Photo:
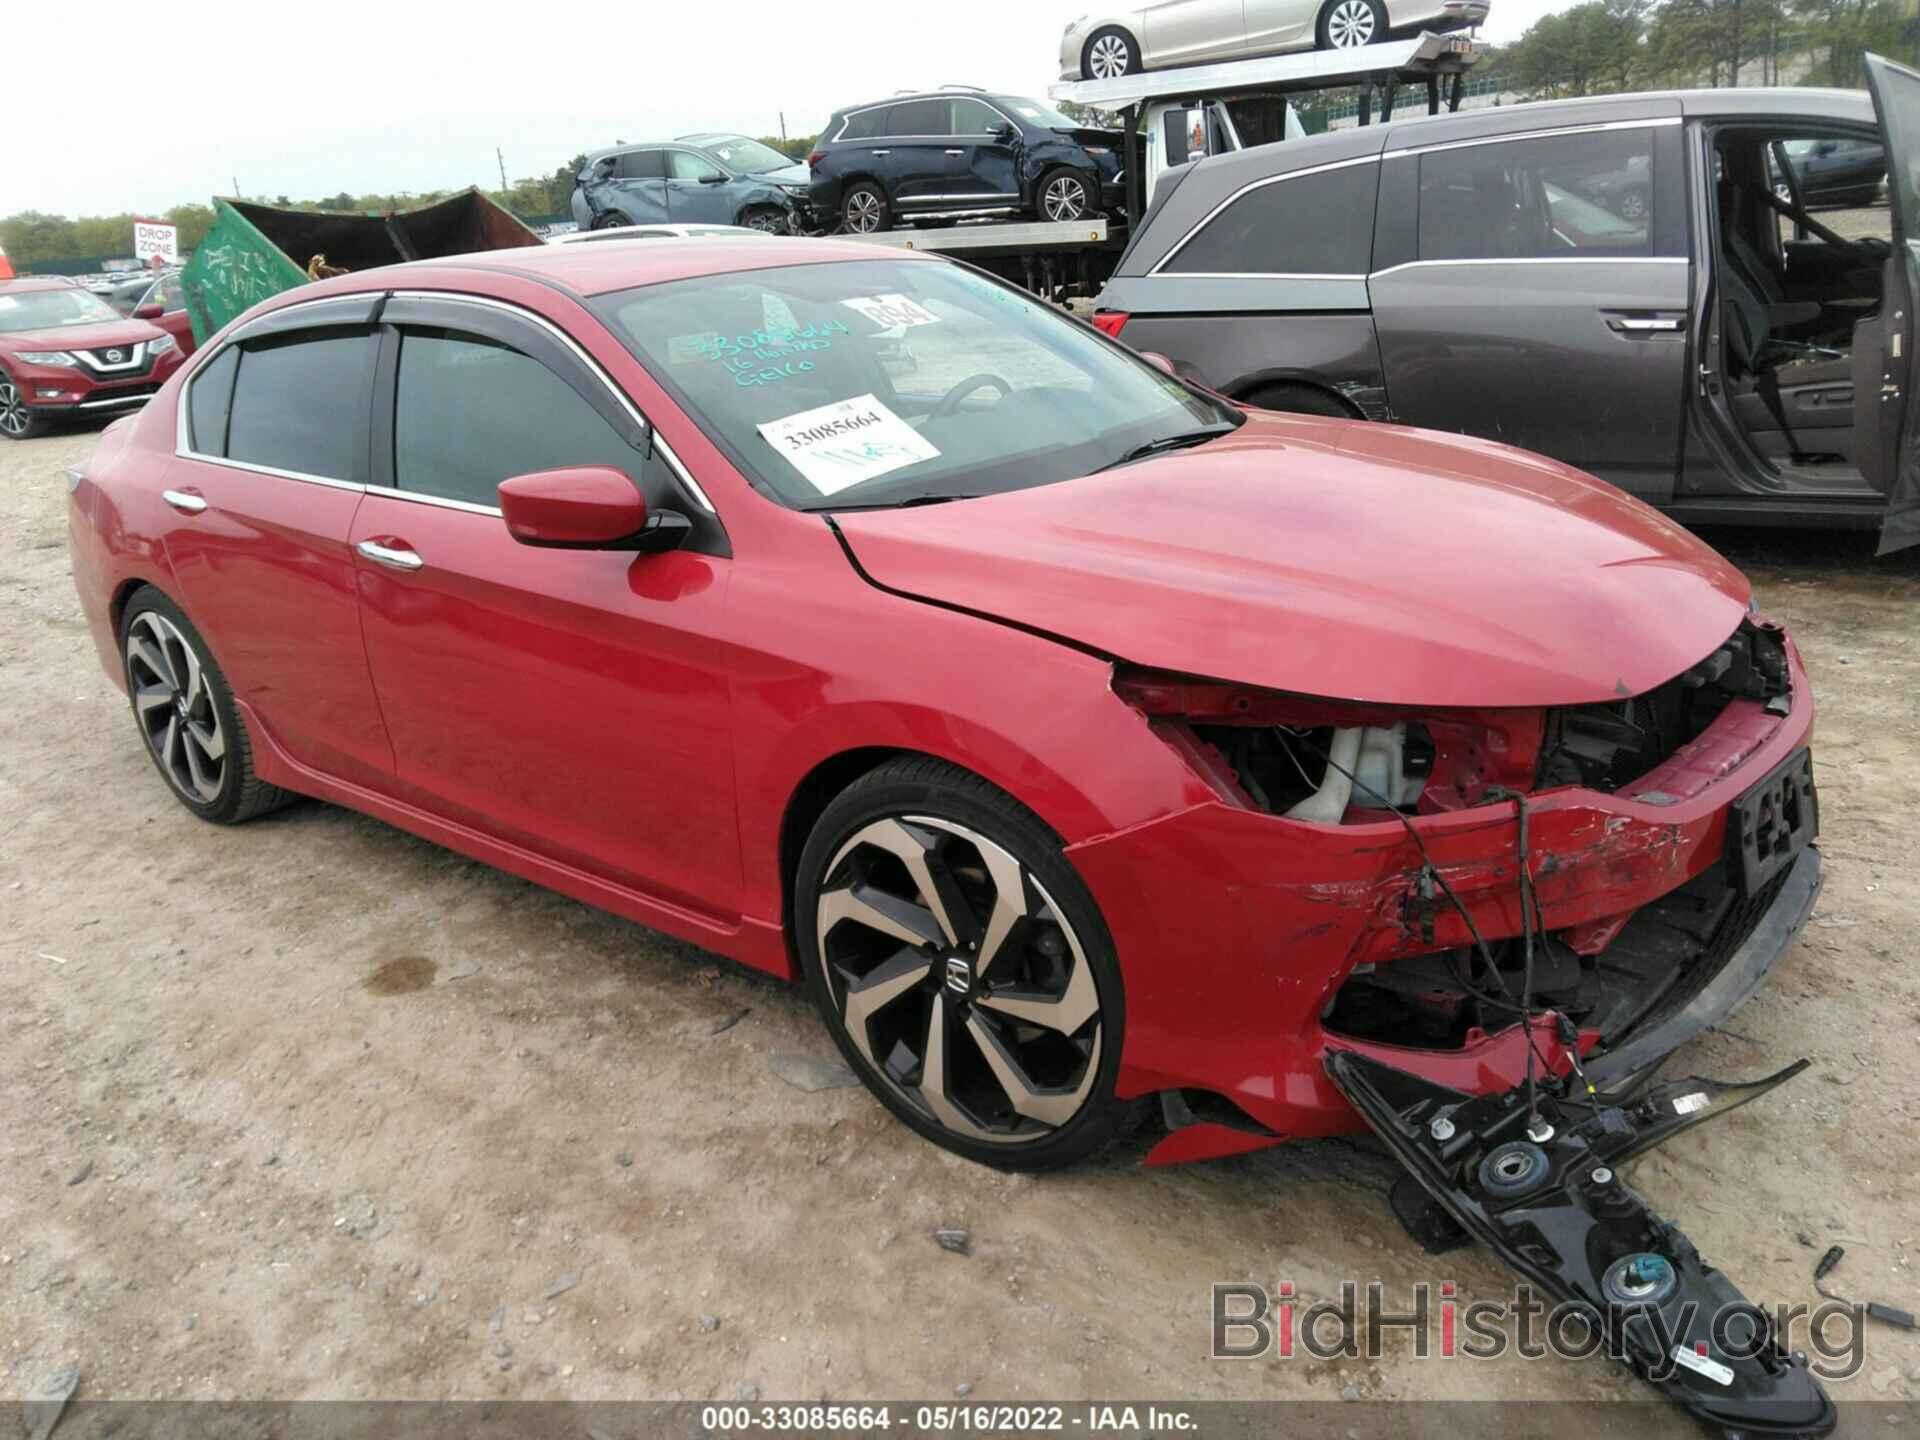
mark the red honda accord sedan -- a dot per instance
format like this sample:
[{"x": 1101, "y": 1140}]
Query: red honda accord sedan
[
  {"x": 1091, "y": 748},
  {"x": 66, "y": 355}
]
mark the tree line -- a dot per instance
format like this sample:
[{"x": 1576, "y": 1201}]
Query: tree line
[{"x": 34, "y": 237}]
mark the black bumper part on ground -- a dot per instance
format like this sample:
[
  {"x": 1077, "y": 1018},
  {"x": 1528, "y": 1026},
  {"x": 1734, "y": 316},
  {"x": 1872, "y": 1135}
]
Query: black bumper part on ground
[{"x": 1556, "y": 1211}]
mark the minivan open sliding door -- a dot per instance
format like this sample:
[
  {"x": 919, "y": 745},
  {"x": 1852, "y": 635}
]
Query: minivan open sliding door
[{"x": 1883, "y": 344}]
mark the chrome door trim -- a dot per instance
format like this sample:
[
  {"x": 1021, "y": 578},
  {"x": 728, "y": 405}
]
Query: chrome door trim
[
  {"x": 1651, "y": 123},
  {"x": 1535, "y": 260}
]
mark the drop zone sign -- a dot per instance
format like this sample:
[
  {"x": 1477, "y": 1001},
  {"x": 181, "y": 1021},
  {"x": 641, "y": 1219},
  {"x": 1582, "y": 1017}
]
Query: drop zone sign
[{"x": 156, "y": 239}]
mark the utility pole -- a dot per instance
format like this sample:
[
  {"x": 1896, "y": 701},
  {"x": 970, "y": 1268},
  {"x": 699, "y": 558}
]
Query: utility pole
[
  {"x": 783, "y": 124},
  {"x": 503, "y": 168},
  {"x": 236, "y": 187}
]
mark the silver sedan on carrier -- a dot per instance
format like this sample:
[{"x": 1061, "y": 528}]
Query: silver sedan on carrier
[{"x": 1104, "y": 44}]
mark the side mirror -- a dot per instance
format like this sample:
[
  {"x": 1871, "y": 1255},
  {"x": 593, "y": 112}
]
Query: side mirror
[
  {"x": 1159, "y": 362},
  {"x": 586, "y": 507},
  {"x": 1004, "y": 131},
  {"x": 147, "y": 312}
]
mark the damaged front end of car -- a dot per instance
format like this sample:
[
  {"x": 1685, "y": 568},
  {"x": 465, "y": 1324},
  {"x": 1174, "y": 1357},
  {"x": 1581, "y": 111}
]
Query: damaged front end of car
[{"x": 1472, "y": 930}]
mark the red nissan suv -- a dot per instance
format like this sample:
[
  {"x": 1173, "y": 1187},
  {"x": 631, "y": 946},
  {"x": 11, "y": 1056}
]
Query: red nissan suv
[{"x": 64, "y": 354}]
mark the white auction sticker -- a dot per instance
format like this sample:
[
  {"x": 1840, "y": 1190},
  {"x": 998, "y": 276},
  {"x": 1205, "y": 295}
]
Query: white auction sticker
[
  {"x": 892, "y": 312},
  {"x": 840, "y": 445},
  {"x": 1687, "y": 1104}
]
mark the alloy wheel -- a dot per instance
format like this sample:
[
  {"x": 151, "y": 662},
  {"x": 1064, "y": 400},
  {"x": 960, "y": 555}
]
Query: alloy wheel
[
  {"x": 863, "y": 212},
  {"x": 14, "y": 419},
  {"x": 174, "y": 703},
  {"x": 958, "y": 979},
  {"x": 1065, "y": 198},
  {"x": 1351, "y": 24},
  {"x": 1633, "y": 205},
  {"x": 1108, "y": 58}
]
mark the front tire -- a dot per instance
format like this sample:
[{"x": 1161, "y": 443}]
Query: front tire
[
  {"x": 1109, "y": 53},
  {"x": 769, "y": 219},
  {"x": 1349, "y": 24},
  {"x": 1298, "y": 399},
  {"x": 864, "y": 209},
  {"x": 1064, "y": 195},
  {"x": 607, "y": 219},
  {"x": 186, "y": 716},
  {"x": 962, "y": 967},
  {"x": 17, "y": 419}
]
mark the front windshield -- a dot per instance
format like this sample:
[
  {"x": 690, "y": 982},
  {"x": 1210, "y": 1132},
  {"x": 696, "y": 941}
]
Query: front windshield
[
  {"x": 23, "y": 310},
  {"x": 876, "y": 383},
  {"x": 1035, "y": 112},
  {"x": 749, "y": 157}
]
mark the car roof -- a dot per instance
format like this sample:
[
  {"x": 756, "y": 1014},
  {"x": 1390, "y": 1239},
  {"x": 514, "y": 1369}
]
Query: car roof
[
  {"x": 37, "y": 282},
  {"x": 704, "y": 137},
  {"x": 587, "y": 270}
]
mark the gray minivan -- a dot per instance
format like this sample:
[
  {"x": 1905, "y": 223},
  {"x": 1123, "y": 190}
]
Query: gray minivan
[{"x": 1640, "y": 285}]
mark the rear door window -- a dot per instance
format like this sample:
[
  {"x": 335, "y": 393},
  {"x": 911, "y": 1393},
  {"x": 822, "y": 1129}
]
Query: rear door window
[
  {"x": 642, "y": 165},
  {"x": 300, "y": 403},
  {"x": 1555, "y": 196},
  {"x": 919, "y": 117},
  {"x": 1319, "y": 223}
]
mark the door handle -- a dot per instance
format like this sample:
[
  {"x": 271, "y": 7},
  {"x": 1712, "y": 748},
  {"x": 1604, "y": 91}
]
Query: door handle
[
  {"x": 394, "y": 557},
  {"x": 1646, "y": 324},
  {"x": 883, "y": 152},
  {"x": 185, "y": 501},
  {"x": 956, "y": 152}
]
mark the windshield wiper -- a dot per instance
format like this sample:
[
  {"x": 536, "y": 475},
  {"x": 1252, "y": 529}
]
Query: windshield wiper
[{"x": 1164, "y": 444}]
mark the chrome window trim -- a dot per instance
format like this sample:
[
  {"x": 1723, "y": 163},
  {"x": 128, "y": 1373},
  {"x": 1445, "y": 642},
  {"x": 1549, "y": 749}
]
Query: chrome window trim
[
  {"x": 593, "y": 366},
  {"x": 1652, "y": 123},
  {"x": 1269, "y": 275},
  {"x": 183, "y": 449},
  {"x": 1535, "y": 260},
  {"x": 847, "y": 119},
  {"x": 1261, "y": 184},
  {"x": 443, "y": 502}
]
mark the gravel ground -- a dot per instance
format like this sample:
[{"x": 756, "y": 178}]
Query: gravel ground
[{"x": 315, "y": 1109}]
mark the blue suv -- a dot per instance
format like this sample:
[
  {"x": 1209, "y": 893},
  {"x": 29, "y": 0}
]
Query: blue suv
[
  {"x": 683, "y": 183},
  {"x": 960, "y": 153}
]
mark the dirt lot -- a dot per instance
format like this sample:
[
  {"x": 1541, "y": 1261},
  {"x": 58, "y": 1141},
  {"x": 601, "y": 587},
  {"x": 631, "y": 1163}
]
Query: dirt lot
[{"x": 315, "y": 1109}]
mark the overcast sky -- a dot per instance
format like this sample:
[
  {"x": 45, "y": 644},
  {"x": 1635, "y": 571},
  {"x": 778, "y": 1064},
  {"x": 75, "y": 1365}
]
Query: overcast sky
[{"x": 128, "y": 107}]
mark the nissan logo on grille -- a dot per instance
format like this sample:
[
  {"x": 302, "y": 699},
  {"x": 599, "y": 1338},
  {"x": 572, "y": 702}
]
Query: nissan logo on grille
[{"x": 114, "y": 357}]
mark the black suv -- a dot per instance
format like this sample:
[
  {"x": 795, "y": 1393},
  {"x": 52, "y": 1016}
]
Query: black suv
[{"x": 959, "y": 152}]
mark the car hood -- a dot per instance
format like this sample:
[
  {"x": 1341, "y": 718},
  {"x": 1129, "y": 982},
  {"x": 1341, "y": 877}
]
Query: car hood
[
  {"x": 91, "y": 336},
  {"x": 794, "y": 174},
  {"x": 1336, "y": 559}
]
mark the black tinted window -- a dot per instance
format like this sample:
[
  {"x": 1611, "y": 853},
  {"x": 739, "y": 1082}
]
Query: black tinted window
[
  {"x": 974, "y": 117},
  {"x": 472, "y": 412},
  {"x": 207, "y": 403},
  {"x": 1318, "y": 224},
  {"x": 300, "y": 403},
  {"x": 866, "y": 124},
  {"x": 1531, "y": 199},
  {"x": 642, "y": 165},
  {"x": 919, "y": 117}
]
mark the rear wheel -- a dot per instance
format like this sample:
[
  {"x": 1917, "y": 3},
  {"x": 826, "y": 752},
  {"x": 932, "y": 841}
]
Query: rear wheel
[
  {"x": 186, "y": 716},
  {"x": 1064, "y": 195},
  {"x": 1299, "y": 400},
  {"x": 863, "y": 209},
  {"x": 17, "y": 421},
  {"x": 1108, "y": 53},
  {"x": 962, "y": 967},
  {"x": 1349, "y": 24}
]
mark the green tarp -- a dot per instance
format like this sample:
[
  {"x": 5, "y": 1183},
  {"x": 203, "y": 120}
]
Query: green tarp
[{"x": 256, "y": 251}]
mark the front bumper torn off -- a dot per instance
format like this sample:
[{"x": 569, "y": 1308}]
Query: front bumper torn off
[{"x": 1550, "y": 1203}]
